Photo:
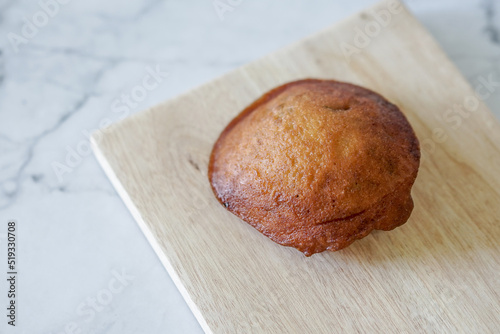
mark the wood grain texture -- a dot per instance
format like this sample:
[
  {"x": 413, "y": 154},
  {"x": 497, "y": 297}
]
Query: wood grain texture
[{"x": 437, "y": 273}]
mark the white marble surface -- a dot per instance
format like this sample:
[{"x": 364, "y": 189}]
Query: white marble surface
[{"x": 75, "y": 234}]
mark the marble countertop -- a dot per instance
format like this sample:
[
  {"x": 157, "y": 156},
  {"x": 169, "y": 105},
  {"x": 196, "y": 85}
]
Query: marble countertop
[{"x": 69, "y": 66}]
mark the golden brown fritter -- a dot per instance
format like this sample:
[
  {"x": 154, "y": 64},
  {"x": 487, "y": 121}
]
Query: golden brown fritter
[{"x": 317, "y": 164}]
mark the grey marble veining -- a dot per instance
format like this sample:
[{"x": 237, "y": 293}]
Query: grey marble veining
[{"x": 85, "y": 267}]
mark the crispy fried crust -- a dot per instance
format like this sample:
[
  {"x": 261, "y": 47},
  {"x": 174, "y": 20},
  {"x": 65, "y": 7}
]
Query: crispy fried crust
[{"x": 317, "y": 164}]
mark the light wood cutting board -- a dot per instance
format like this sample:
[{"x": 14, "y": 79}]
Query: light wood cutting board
[{"x": 440, "y": 272}]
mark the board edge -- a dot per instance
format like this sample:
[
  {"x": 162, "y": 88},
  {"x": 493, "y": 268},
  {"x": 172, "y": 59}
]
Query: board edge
[{"x": 134, "y": 211}]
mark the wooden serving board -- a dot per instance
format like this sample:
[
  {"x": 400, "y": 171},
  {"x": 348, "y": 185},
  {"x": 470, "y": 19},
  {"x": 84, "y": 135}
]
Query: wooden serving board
[{"x": 440, "y": 272}]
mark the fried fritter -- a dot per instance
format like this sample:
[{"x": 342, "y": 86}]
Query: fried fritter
[{"x": 317, "y": 164}]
